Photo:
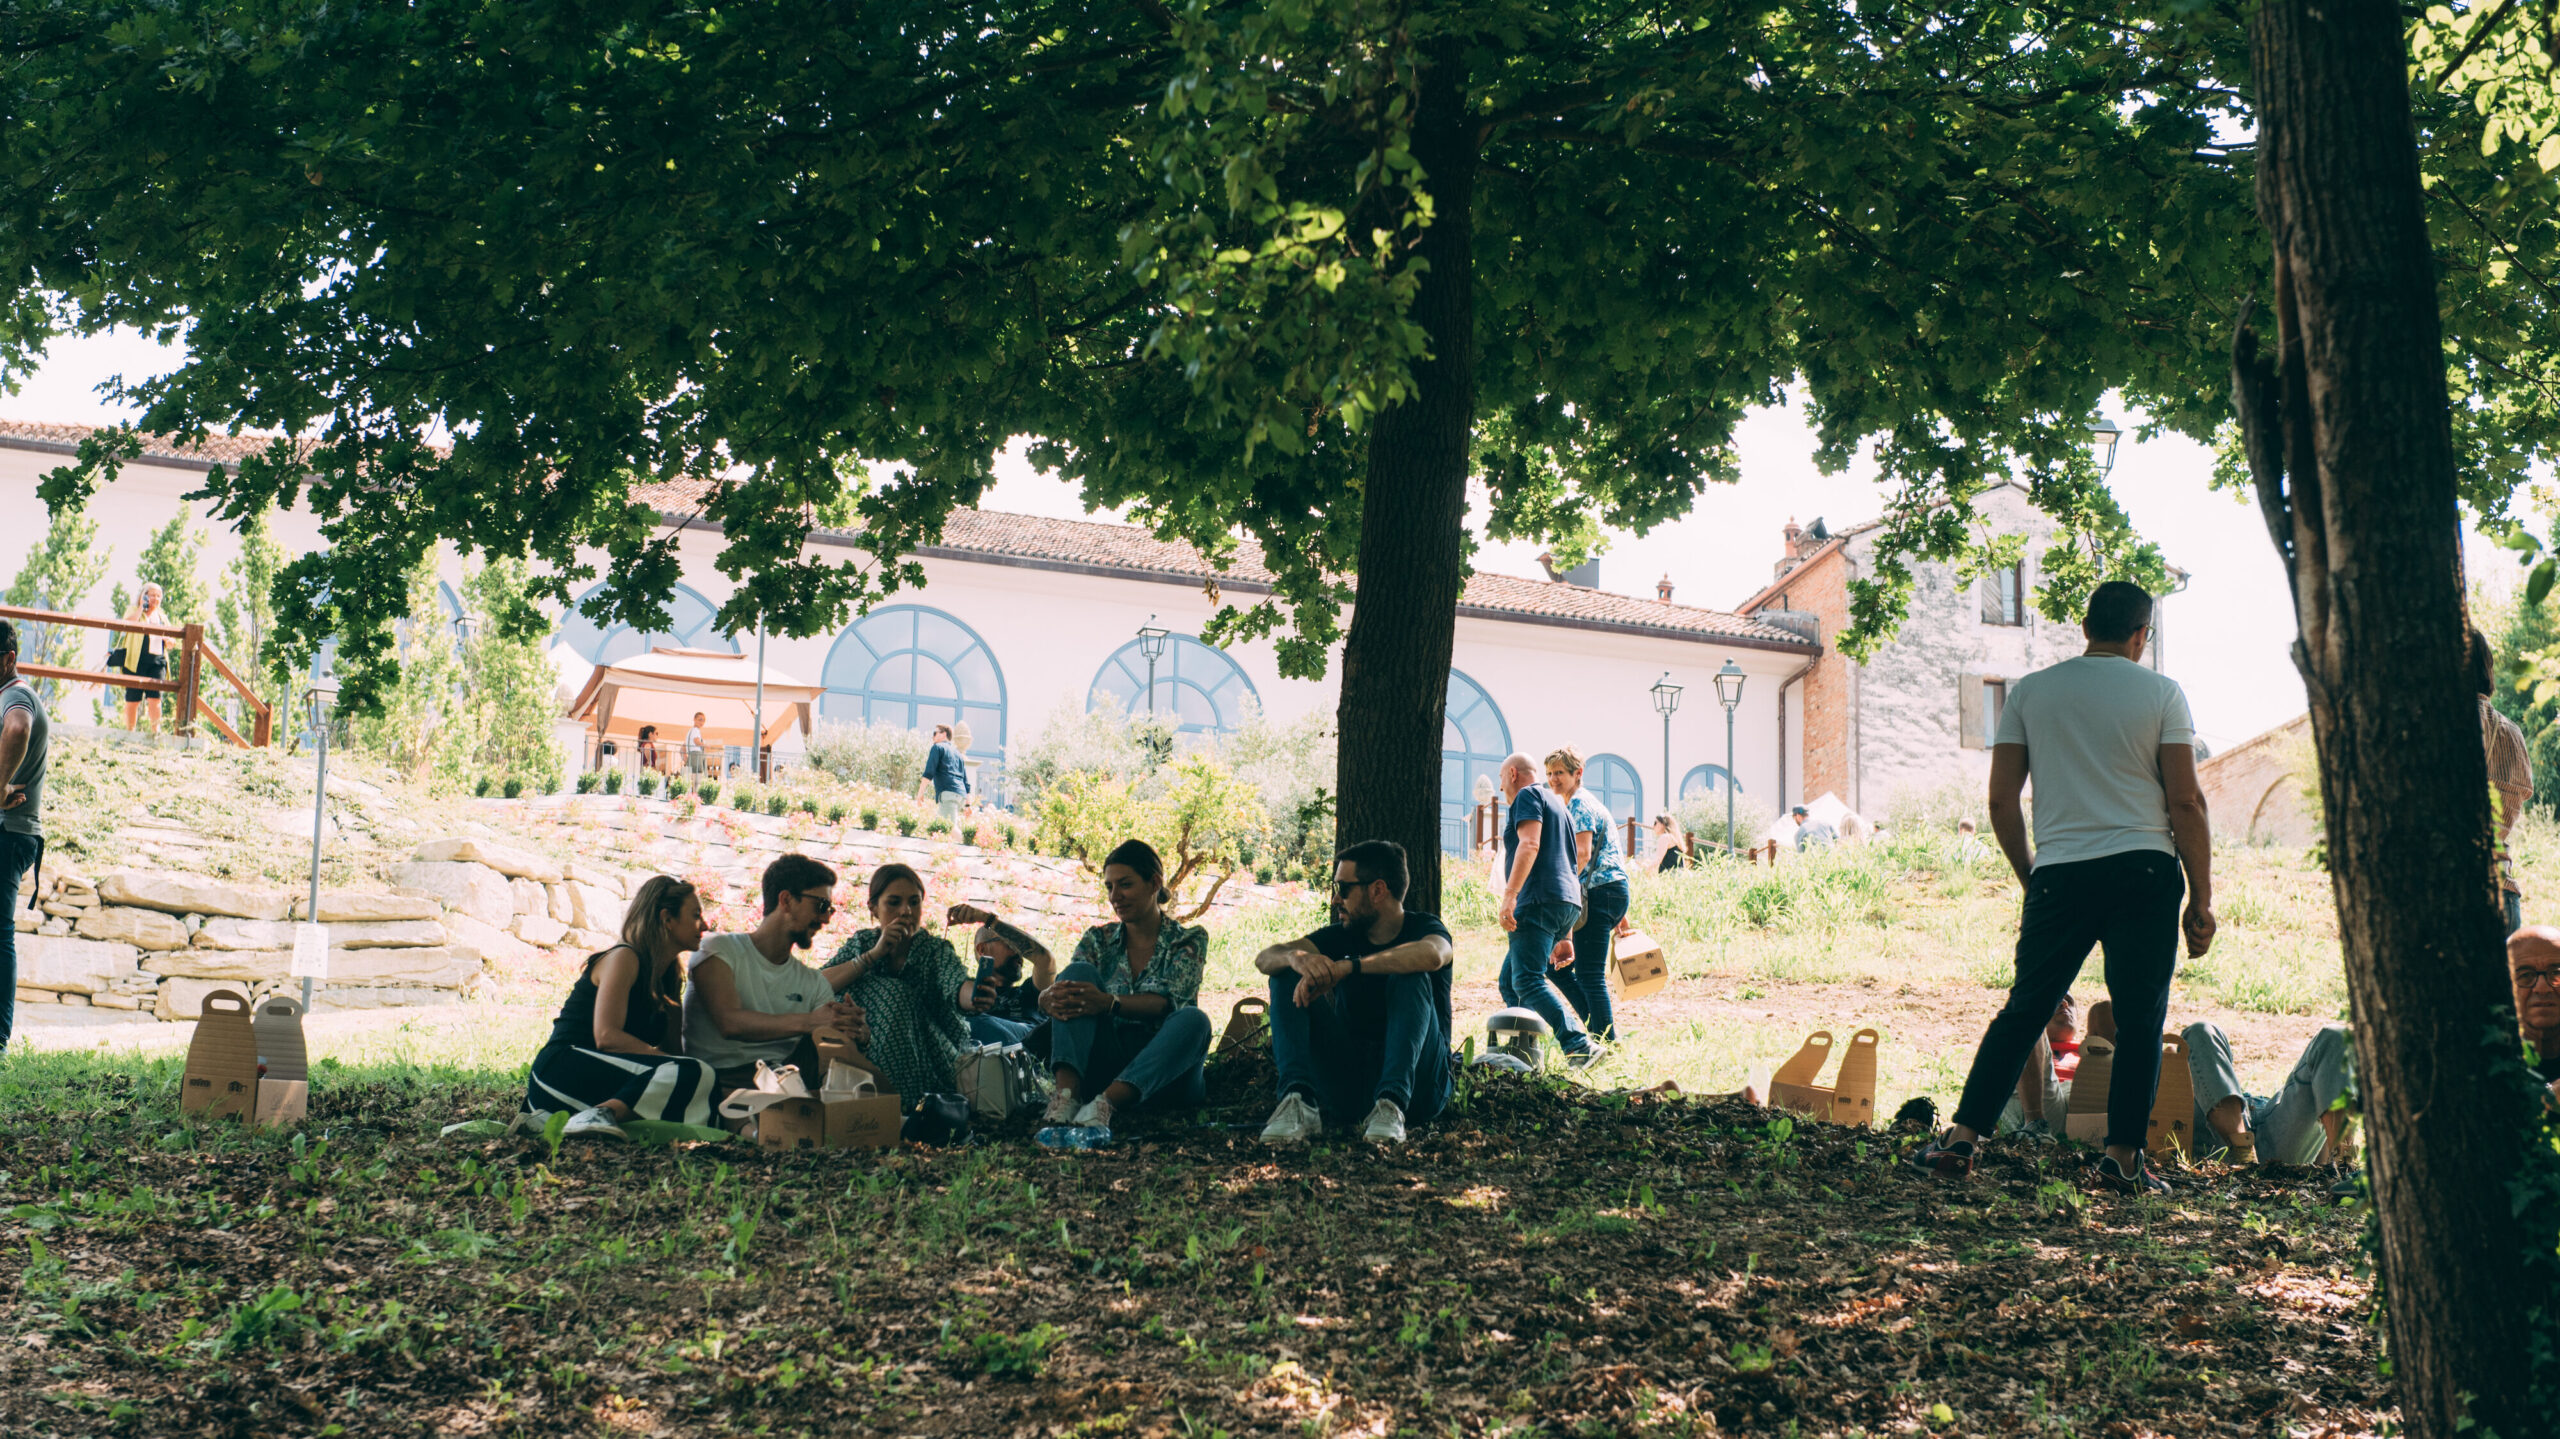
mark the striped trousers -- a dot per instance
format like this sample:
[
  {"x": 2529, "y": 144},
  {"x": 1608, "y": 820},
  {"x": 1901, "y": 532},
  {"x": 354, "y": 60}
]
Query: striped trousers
[{"x": 669, "y": 1087}]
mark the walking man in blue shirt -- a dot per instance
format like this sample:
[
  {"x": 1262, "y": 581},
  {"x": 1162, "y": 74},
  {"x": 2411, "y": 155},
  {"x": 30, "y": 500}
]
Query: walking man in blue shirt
[
  {"x": 947, "y": 772},
  {"x": 1541, "y": 899}
]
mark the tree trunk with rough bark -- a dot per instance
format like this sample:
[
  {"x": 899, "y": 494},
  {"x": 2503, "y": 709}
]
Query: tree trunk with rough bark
[
  {"x": 1404, "y": 620},
  {"x": 2350, "y": 447}
]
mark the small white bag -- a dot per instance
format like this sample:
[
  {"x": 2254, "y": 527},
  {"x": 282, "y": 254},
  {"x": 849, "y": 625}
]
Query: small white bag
[{"x": 999, "y": 1081}]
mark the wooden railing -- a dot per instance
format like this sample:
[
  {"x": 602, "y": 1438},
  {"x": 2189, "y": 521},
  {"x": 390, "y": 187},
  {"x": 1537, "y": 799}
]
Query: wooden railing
[{"x": 193, "y": 653}]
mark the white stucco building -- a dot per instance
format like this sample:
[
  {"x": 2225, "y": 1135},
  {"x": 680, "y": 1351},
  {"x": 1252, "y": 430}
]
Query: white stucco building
[{"x": 1021, "y": 615}]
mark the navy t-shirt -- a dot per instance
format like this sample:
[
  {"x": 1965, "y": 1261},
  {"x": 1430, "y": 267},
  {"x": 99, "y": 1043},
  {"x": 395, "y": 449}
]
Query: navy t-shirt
[
  {"x": 1338, "y": 944},
  {"x": 1551, "y": 878}
]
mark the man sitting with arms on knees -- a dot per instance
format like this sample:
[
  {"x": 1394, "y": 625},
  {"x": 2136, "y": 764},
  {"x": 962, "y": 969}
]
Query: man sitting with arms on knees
[
  {"x": 2298, "y": 1124},
  {"x": 2533, "y": 960},
  {"x": 1360, "y": 1008},
  {"x": 752, "y": 1000}
]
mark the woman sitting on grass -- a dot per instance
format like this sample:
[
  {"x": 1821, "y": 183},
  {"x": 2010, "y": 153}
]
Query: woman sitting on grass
[
  {"x": 908, "y": 982},
  {"x": 609, "y": 1054},
  {"x": 1125, "y": 1026}
]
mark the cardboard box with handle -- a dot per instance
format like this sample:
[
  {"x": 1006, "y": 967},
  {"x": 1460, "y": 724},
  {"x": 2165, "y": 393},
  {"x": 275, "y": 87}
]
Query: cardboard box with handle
[
  {"x": 1851, "y": 1099},
  {"x": 254, "y": 1069}
]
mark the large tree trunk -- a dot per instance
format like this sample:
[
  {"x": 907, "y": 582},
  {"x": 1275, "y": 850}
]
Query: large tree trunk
[
  {"x": 1395, "y": 662},
  {"x": 2350, "y": 445}
]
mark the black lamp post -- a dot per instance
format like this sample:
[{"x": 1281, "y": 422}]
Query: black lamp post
[
  {"x": 1666, "y": 698},
  {"x": 1151, "y": 640},
  {"x": 1729, "y": 694}
]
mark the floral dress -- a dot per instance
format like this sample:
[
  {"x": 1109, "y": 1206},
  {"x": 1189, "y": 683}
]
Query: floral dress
[
  {"x": 1182, "y": 952},
  {"x": 917, "y": 1031}
]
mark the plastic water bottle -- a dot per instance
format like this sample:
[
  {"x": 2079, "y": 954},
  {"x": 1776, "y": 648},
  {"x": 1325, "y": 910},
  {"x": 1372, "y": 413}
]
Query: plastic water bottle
[{"x": 1074, "y": 1136}]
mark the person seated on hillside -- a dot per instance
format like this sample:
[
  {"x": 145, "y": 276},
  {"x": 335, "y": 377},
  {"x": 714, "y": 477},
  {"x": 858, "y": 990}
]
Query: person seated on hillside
[
  {"x": 611, "y": 1056},
  {"x": 907, "y": 981},
  {"x": 2044, "y": 1086},
  {"x": 2298, "y": 1124},
  {"x": 753, "y": 1001},
  {"x": 1003, "y": 1007},
  {"x": 2533, "y": 961},
  {"x": 1360, "y": 1013},
  {"x": 1125, "y": 1025}
]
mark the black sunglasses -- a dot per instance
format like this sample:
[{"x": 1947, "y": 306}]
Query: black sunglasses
[
  {"x": 826, "y": 906},
  {"x": 1346, "y": 886}
]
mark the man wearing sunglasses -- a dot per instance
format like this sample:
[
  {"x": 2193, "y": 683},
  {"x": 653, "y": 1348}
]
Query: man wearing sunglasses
[
  {"x": 2533, "y": 961},
  {"x": 752, "y": 999},
  {"x": 1360, "y": 1009}
]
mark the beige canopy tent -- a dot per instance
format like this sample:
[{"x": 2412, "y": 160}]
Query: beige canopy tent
[{"x": 665, "y": 687}]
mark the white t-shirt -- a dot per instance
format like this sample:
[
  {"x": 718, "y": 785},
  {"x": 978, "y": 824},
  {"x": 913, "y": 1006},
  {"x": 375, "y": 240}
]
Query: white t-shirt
[
  {"x": 764, "y": 987},
  {"x": 2093, "y": 728}
]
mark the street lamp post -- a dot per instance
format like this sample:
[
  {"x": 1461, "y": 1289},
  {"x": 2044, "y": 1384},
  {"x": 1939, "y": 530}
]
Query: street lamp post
[
  {"x": 324, "y": 688},
  {"x": 1666, "y": 698},
  {"x": 2102, "y": 444},
  {"x": 1729, "y": 694},
  {"x": 1151, "y": 640}
]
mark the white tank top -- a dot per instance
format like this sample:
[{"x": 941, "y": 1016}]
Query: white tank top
[{"x": 764, "y": 987}]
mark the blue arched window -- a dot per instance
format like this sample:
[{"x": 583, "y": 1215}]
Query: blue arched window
[
  {"x": 689, "y": 627},
  {"x": 1198, "y": 688},
  {"x": 915, "y": 667},
  {"x": 1613, "y": 782},
  {"x": 452, "y": 602},
  {"x": 1707, "y": 781},
  {"x": 1474, "y": 741}
]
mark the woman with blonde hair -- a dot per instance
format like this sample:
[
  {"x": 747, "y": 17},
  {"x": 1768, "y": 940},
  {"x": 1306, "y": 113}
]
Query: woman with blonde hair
[
  {"x": 142, "y": 656},
  {"x": 611, "y": 1055}
]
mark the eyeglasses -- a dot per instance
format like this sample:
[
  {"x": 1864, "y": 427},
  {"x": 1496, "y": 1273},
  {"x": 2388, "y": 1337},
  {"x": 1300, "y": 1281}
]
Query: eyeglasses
[
  {"x": 826, "y": 904},
  {"x": 1349, "y": 886},
  {"x": 2527, "y": 979}
]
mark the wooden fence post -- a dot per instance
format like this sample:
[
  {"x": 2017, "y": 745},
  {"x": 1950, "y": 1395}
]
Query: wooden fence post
[{"x": 188, "y": 661}]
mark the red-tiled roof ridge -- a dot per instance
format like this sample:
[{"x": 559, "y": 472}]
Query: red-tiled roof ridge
[{"x": 219, "y": 449}]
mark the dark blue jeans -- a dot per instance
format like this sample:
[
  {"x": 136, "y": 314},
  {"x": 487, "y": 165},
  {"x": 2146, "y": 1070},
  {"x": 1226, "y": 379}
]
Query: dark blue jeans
[
  {"x": 1524, "y": 970},
  {"x": 1586, "y": 980},
  {"x": 1376, "y": 1036},
  {"x": 990, "y": 1029},
  {"x": 17, "y": 854},
  {"x": 2129, "y": 904}
]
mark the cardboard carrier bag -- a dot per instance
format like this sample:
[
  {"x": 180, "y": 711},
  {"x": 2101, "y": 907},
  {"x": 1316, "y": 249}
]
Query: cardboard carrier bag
[
  {"x": 1640, "y": 964},
  {"x": 1851, "y": 1099},
  {"x": 2173, "y": 1104},
  {"x": 1248, "y": 1028},
  {"x": 256, "y": 1069}
]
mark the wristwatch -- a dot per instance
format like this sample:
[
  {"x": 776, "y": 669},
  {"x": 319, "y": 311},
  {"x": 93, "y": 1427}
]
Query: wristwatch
[{"x": 1355, "y": 966}]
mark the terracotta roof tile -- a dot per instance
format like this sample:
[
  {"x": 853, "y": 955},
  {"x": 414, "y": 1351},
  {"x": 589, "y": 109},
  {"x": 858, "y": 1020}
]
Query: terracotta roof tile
[{"x": 220, "y": 449}]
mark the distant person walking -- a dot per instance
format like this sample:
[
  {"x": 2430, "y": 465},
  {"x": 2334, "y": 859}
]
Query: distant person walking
[
  {"x": 1813, "y": 833},
  {"x": 1541, "y": 898},
  {"x": 1602, "y": 868},
  {"x": 2510, "y": 773},
  {"x": 23, "y": 747},
  {"x": 2110, "y": 746},
  {"x": 946, "y": 774},
  {"x": 694, "y": 758},
  {"x": 144, "y": 657}
]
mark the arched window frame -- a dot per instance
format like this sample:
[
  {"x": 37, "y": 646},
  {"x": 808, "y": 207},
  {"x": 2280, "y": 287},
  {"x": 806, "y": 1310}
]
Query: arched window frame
[
  {"x": 1223, "y": 689},
  {"x": 1700, "y": 781},
  {"x": 905, "y": 708},
  {"x": 1468, "y": 704},
  {"x": 1612, "y": 778},
  {"x": 591, "y": 641}
]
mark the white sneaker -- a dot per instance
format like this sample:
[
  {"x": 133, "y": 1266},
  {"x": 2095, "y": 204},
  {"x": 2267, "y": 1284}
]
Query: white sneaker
[
  {"x": 1294, "y": 1122},
  {"x": 1062, "y": 1107},
  {"x": 530, "y": 1121},
  {"x": 1386, "y": 1124},
  {"x": 1095, "y": 1115},
  {"x": 593, "y": 1121}
]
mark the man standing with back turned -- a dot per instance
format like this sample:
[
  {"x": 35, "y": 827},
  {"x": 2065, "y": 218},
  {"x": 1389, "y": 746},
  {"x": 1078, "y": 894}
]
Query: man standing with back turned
[
  {"x": 2111, "y": 748},
  {"x": 23, "y": 744}
]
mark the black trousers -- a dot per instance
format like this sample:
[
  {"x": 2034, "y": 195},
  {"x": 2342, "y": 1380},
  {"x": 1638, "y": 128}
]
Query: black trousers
[{"x": 2127, "y": 903}]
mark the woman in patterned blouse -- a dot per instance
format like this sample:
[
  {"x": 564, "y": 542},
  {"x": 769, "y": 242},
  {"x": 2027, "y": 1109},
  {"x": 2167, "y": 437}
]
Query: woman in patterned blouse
[
  {"x": 1125, "y": 1026},
  {"x": 909, "y": 987}
]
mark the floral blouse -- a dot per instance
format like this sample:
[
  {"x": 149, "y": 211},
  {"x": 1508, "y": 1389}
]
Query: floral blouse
[
  {"x": 917, "y": 1031},
  {"x": 1182, "y": 951}
]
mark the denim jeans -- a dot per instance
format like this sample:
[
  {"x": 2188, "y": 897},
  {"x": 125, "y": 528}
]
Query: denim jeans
[
  {"x": 2287, "y": 1122},
  {"x": 1524, "y": 970},
  {"x": 17, "y": 853},
  {"x": 1585, "y": 982},
  {"x": 1376, "y": 1036},
  {"x": 2127, "y": 903},
  {"x": 988, "y": 1029},
  {"x": 1153, "y": 1057}
]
